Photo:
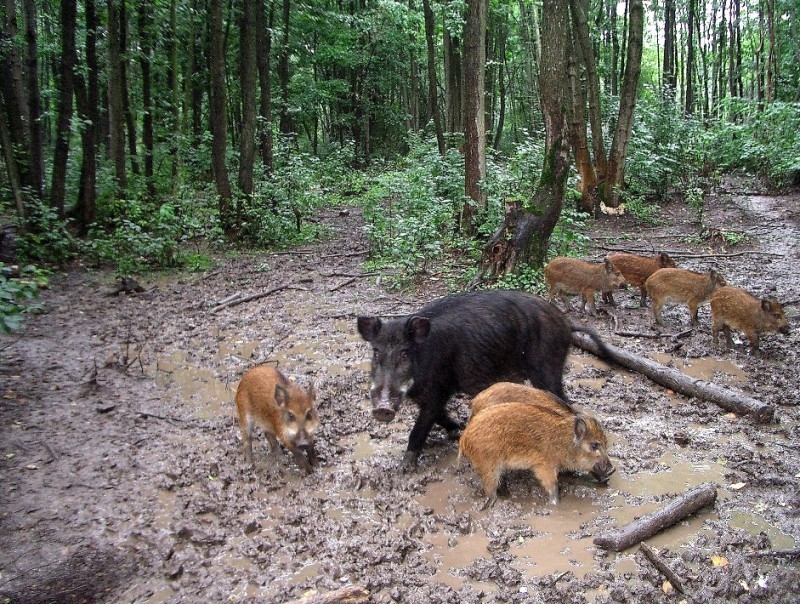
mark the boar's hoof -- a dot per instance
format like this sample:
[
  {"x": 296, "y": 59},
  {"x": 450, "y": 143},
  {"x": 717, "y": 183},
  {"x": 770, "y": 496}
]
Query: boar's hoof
[
  {"x": 489, "y": 503},
  {"x": 409, "y": 460},
  {"x": 383, "y": 414}
]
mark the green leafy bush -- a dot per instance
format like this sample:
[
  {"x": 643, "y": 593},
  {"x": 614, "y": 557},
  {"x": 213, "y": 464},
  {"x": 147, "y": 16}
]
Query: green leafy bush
[{"x": 16, "y": 294}]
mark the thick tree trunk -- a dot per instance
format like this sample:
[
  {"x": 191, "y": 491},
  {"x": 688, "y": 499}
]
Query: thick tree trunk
[
  {"x": 453, "y": 83},
  {"x": 680, "y": 382},
  {"x": 587, "y": 184},
  {"x": 652, "y": 524},
  {"x": 524, "y": 236},
  {"x": 474, "y": 112}
]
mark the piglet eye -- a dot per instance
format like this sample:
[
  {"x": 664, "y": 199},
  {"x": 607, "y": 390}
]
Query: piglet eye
[
  {"x": 595, "y": 447},
  {"x": 291, "y": 417}
]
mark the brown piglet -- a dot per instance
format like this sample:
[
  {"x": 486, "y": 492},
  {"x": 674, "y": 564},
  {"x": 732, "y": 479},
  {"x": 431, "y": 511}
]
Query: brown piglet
[
  {"x": 285, "y": 411},
  {"x": 680, "y": 286},
  {"x": 572, "y": 276},
  {"x": 511, "y": 392},
  {"x": 521, "y": 436},
  {"x": 735, "y": 308},
  {"x": 636, "y": 270}
]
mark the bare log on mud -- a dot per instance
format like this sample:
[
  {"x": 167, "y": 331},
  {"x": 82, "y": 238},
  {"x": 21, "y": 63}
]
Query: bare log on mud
[
  {"x": 651, "y": 524},
  {"x": 680, "y": 382},
  {"x": 661, "y": 566},
  {"x": 353, "y": 594}
]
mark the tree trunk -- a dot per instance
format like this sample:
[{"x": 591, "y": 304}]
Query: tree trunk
[
  {"x": 219, "y": 120},
  {"x": 615, "y": 178},
  {"x": 130, "y": 119},
  {"x": 654, "y": 523},
  {"x": 523, "y": 238},
  {"x": 173, "y": 81},
  {"x": 69, "y": 56},
  {"x": 502, "y": 65},
  {"x": 34, "y": 97},
  {"x": 669, "y": 80},
  {"x": 474, "y": 112},
  {"x": 529, "y": 26},
  {"x": 689, "y": 98},
  {"x": 587, "y": 184},
  {"x": 145, "y": 63},
  {"x": 433, "y": 94},
  {"x": 680, "y": 382},
  {"x": 454, "y": 82},
  {"x": 87, "y": 97},
  {"x": 248, "y": 73},
  {"x": 116, "y": 117},
  {"x": 264, "y": 45},
  {"x": 286, "y": 127}
]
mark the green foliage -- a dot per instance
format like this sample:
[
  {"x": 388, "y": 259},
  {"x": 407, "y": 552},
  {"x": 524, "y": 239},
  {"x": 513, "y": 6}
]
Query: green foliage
[
  {"x": 762, "y": 140},
  {"x": 567, "y": 238},
  {"x": 47, "y": 240},
  {"x": 638, "y": 207},
  {"x": 278, "y": 213},
  {"x": 526, "y": 278},
  {"x": 410, "y": 212},
  {"x": 17, "y": 293}
]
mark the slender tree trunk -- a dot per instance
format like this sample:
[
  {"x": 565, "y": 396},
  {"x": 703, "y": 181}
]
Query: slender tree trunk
[
  {"x": 286, "y": 126},
  {"x": 248, "y": 73},
  {"x": 34, "y": 97},
  {"x": 264, "y": 44},
  {"x": 433, "y": 94},
  {"x": 69, "y": 55},
  {"x": 578, "y": 139},
  {"x": 529, "y": 27},
  {"x": 87, "y": 97},
  {"x": 454, "y": 83},
  {"x": 627, "y": 103},
  {"x": 502, "y": 65},
  {"x": 670, "y": 74},
  {"x": 130, "y": 120},
  {"x": 772, "y": 65},
  {"x": 219, "y": 120},
  {"x": 474, "y": 111},
  {"x": 145, "y": 64},
  {"x": 689, "y": 97},
  {"x": 116, "y": 117}
]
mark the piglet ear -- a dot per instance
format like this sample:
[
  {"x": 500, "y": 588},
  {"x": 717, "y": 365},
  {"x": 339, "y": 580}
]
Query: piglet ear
[
  {"x": 281, "y": 396},
  {"x": 580, "y": 428},
  {"x": 608, "y": 265},
  {"x": 419, "y": 328},
  {"x": 312, "y": 391},
  {"x": 369, "y": 327}
]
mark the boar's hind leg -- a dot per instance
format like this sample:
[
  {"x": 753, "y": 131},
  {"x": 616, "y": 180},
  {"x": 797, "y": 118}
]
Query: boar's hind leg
[{"x": 453, "y": 427}]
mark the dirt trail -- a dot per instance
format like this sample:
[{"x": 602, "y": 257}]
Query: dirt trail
[{"x": 124, "y": 479}]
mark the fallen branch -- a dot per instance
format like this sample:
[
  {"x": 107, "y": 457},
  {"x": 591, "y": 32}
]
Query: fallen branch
[
  {"x": 353, "y": 275},
  {"x": 661, "y": 566},
  {"x": 353, "y": 594},
  {"x": 637, "y": 334},
  {"x": 680, "y": 382},
  {"x": 651, "y": 524},
  {"x": 346, "y": 255},
  {"x": 249, "y": 298},
  {"x": 681, "y": 254},
  {"x": 342, "y": 284},
  {"x": 778, "y": 553}
]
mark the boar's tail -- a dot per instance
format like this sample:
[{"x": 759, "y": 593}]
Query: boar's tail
[{"x": 605, "y": 352}]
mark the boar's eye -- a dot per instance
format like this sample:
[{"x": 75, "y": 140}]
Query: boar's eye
[
  {"x": 595, "y": 447},
  {"x": 291, "y": 417}
]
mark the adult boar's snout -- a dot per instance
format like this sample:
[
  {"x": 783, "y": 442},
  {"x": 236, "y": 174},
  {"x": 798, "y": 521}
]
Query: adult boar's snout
[{"x": 383, "y": 414}]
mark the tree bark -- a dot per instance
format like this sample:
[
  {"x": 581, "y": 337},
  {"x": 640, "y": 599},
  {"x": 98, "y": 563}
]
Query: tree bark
[
  {"x": 264, "y": 45},
  {"x": 433, "y": 94},
  {"x": 652, "y": 524},
  {"x": 689, "y": 98},
  {"x": 145, "y": 63},
  {"x": 248, "y": 72},
  {"x": 34, "y": 97},
  {"x": 680, "y": 382},
  {"x": 116, "y": 117},
  {"x": 474, "y": 112},
  {"x": 615, "y": 178},
  {"x": 219, "y": 121},
  {"x": 58, "y": 182},
  {"x": 524, "y": 236}
]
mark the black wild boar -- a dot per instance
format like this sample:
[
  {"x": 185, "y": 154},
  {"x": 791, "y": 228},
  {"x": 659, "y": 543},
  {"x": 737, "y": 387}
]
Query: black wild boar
[{"x": 464, "y": 343}]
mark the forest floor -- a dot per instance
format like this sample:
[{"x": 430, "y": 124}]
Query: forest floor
[{"x": 123, "y": 478}]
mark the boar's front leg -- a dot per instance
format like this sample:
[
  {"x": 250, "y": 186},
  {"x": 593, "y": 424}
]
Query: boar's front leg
[
  {"x": 301, "y": 459},
  {"x": 428, "y": 415}
]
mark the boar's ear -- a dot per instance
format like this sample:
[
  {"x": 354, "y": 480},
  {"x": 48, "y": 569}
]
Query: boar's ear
[
  {"x": 369, "y": 327},
  {"x": 312, "y": 391},
  {"x": 580, "y": 428},
  {"x": 419, "y": 328},
  {"x": 766, "y": 305},
  {"x": 281, "y": 396},
  {"x": 608, "y": 265}
]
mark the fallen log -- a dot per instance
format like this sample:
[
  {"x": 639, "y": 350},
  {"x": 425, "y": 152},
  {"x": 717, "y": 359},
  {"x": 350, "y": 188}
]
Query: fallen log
[
  {"x": 680, "y": 382},
  {"x": 651, "y": 524},
  {"x": 241, "y": 300},
  {"x": 352, "y": 594},
  {"x": 661, "y": 566}
]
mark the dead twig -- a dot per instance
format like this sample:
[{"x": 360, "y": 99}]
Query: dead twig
[
  {"x": 250, "y": 298},
  {"x": 654, "y": 559},
  {"x": 342, "y": 284},
  {"x": 345, "y": 255},
  {"x": 172, "y": 420},
  {"x": 353, "y": 275},
  {"x": 636, "y": 334},
  {"x": 777, "y": 553}
]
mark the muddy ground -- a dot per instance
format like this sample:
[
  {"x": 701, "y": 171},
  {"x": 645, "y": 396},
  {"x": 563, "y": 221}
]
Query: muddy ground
[{"x": 123, "y": 477}]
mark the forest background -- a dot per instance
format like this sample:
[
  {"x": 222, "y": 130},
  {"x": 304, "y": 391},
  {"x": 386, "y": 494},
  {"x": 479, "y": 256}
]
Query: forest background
[{"x": 152, "y": 135}]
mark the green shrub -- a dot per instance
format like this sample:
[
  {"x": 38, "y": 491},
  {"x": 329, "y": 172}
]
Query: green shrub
[{"x": 17, "y": 293}]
